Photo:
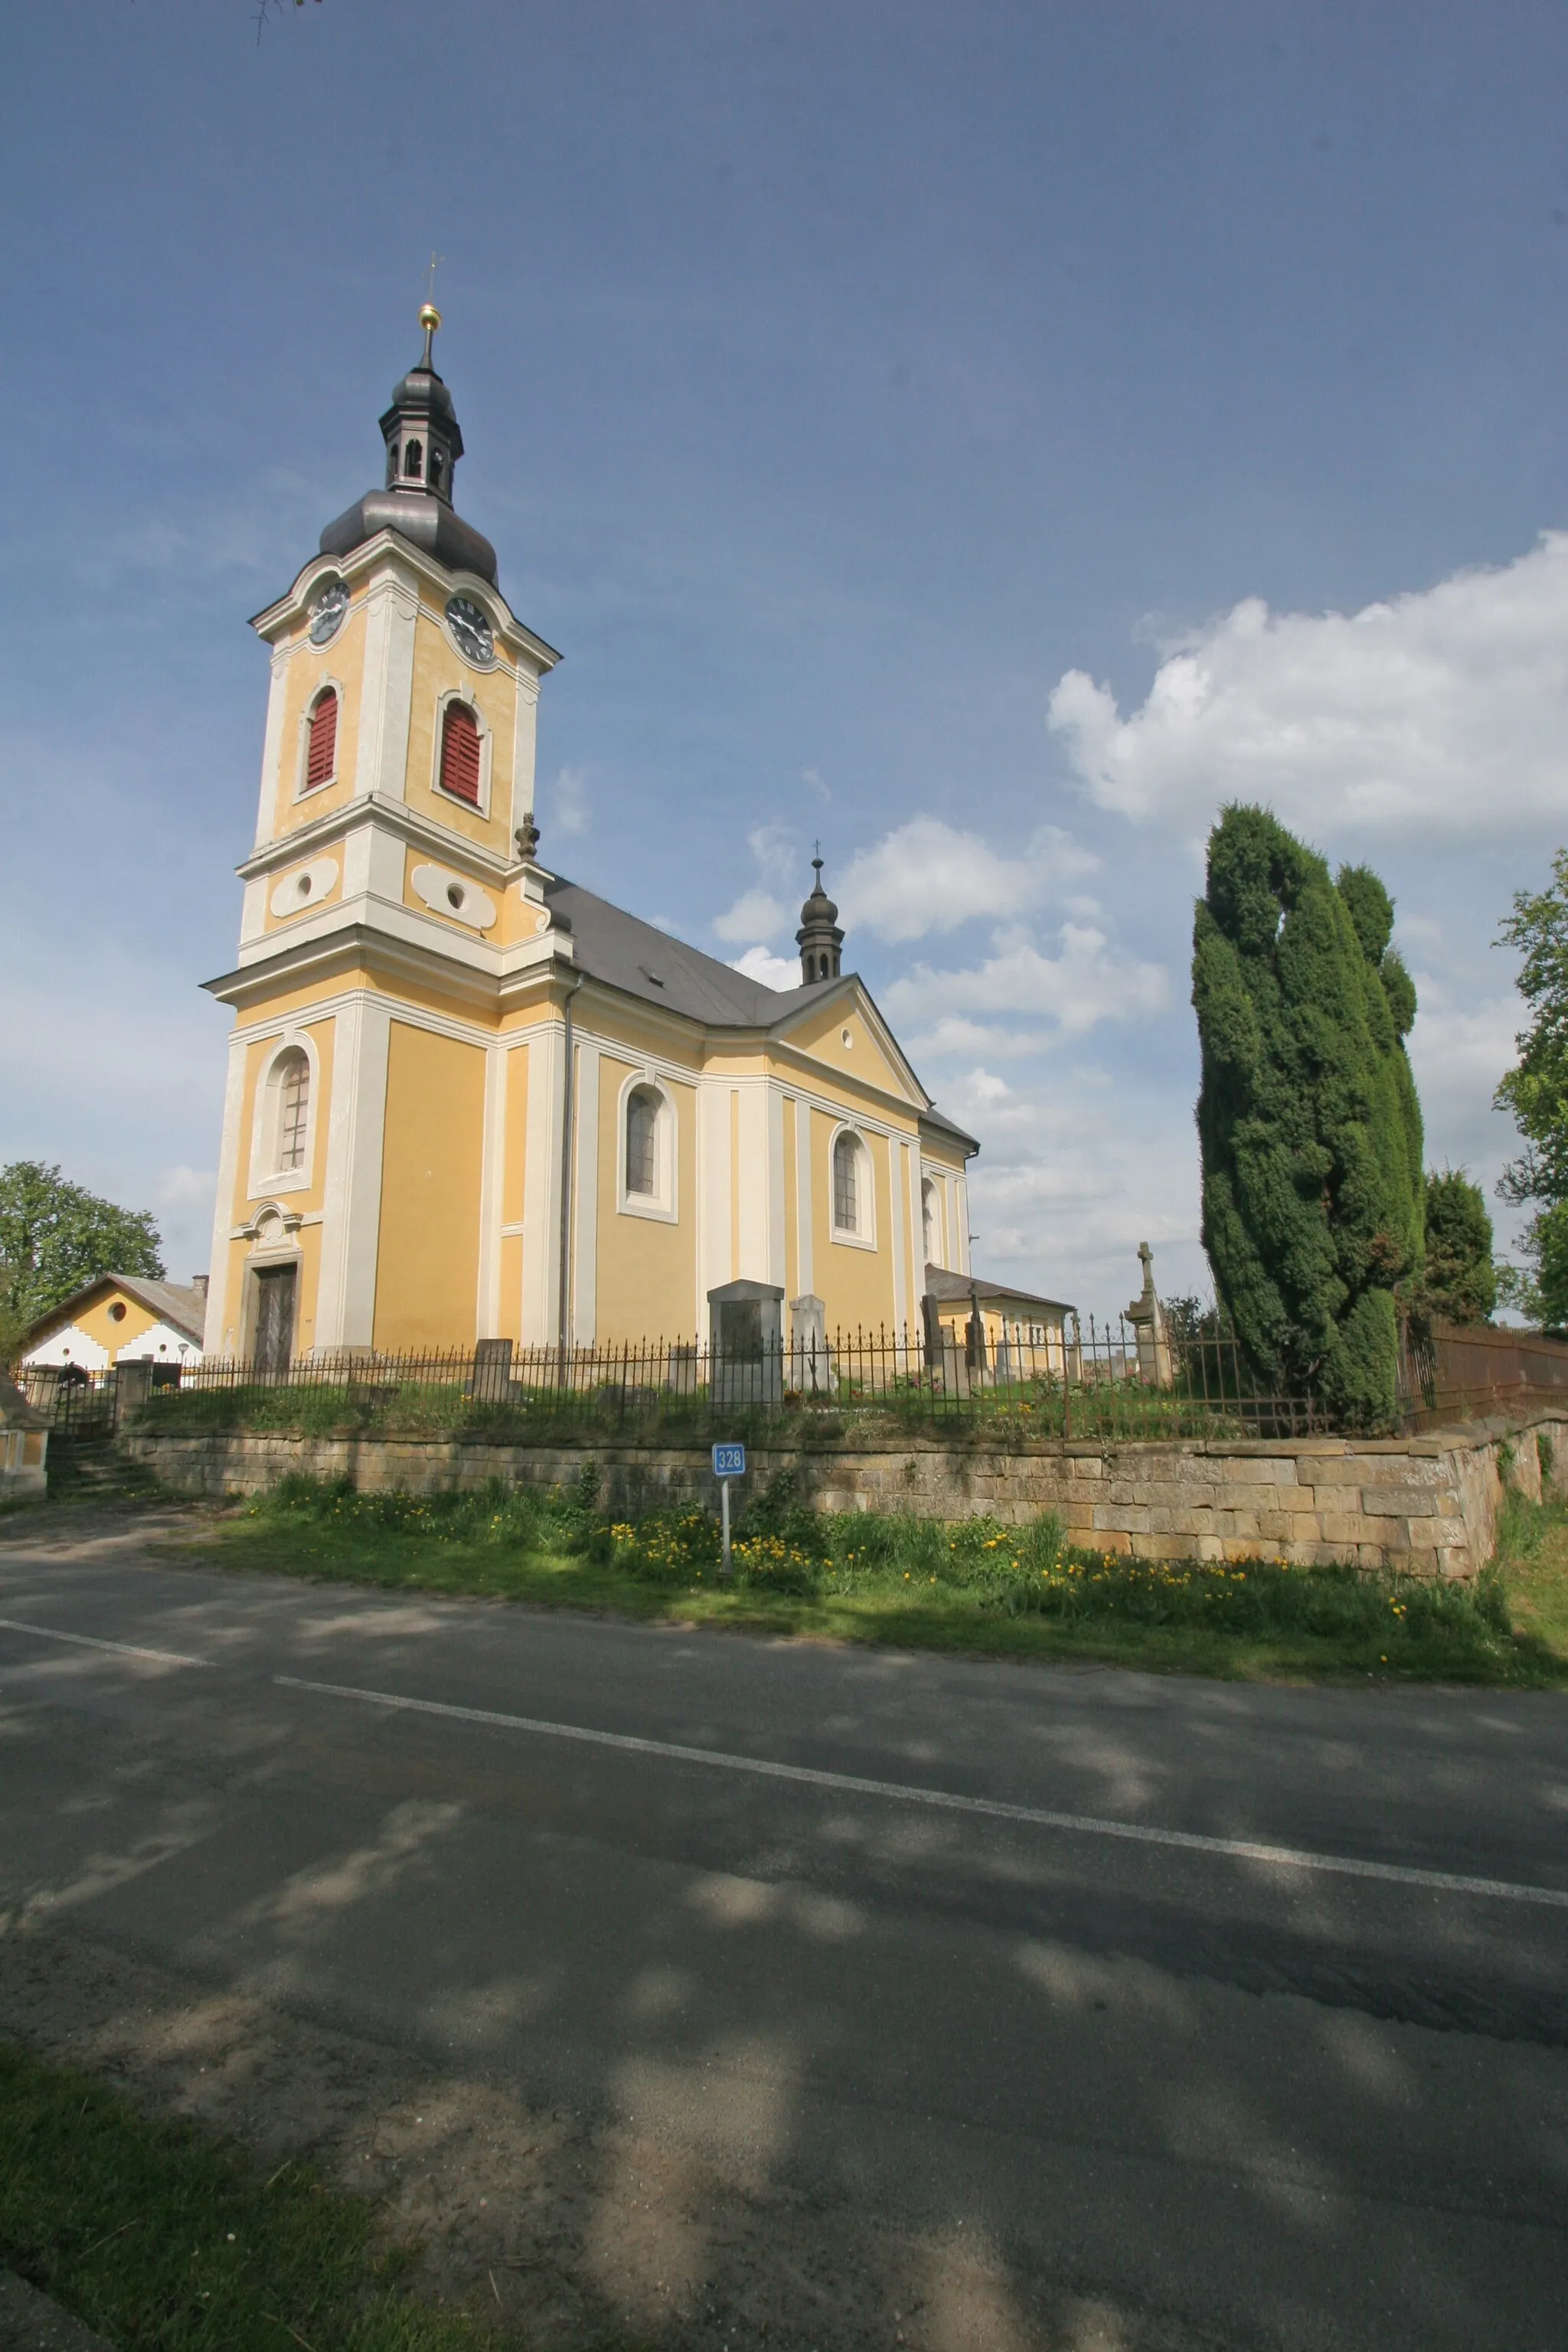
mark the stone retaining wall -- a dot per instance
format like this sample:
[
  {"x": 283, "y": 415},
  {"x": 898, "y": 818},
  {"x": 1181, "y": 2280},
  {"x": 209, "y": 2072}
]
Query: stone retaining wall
[{"x": 1428, "y": 1503}]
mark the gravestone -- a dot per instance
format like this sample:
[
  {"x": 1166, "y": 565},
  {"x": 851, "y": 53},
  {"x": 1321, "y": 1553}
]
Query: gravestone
[
  {"x": 810, "y": 1360},
  {"x": 745, "y": 1343}
]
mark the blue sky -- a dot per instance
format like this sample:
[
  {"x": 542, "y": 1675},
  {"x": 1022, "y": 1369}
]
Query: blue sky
[{"x": 985, "y": 437}]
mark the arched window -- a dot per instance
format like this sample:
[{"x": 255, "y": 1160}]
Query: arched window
[
  {"x": 928, "y": 1217},
  {"x": 642, "y": 1141},
  {"x": 435, "y": 474},
  {"x": 412, "y": 460},
  {"x": 321, "y": 751},
  {"x": 846, "y": 1184},
  {"x": 391, "y": 463},
  {"x": 291, "y": 1084},
  {"x": 461, "y": 753}
]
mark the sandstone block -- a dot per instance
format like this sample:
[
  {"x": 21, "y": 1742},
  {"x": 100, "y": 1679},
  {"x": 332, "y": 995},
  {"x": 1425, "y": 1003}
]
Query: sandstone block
[{"x": 1397, "y": 1502}]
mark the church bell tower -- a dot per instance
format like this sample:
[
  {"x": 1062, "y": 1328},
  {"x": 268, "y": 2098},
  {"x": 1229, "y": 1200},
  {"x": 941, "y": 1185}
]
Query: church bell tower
[{"x": 393, "y": 926}]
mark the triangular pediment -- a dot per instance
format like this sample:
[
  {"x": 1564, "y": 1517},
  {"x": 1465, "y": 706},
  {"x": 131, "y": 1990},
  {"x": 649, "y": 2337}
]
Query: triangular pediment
[{"x": 872, "y": 1054}]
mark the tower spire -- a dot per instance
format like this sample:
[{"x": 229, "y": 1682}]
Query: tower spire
[
  {"x": 424, "y": 442},
  {"x": 819, "y": 938}
]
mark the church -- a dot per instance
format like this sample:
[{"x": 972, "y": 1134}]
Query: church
[{"x": 468, "y": 1099}]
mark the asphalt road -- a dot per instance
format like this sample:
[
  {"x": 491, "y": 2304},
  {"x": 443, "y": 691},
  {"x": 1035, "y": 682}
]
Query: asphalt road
[{"x": 1243, "y": 2007}]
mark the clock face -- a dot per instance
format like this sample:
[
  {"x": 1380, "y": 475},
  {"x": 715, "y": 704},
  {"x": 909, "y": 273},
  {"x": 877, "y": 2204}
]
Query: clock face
[
  {"x": 327, "y": 613},
  {"x": 471, "y": 631}
]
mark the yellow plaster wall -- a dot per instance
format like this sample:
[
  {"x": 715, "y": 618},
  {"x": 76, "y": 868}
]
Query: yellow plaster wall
[
  {"x": 428, "y": 1256},
  {"x": 343, "y": 663},
  {"x": 302, "y": 1198},
  {"x": 515, "y": 1161},
  {"x": 646, "y": 1267},
  {"x": 820, "y": 1035},
  {"x": 855, "y": 1284},
  {"x": 493, "y": 694}
]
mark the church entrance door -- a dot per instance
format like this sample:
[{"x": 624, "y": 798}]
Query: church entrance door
[{"x": 274, "y": 1317}]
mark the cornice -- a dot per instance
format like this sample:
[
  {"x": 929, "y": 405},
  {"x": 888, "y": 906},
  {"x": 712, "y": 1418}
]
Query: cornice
[
  {"x": 390, "y": 547},
  {"x": 391, "y": 816}
]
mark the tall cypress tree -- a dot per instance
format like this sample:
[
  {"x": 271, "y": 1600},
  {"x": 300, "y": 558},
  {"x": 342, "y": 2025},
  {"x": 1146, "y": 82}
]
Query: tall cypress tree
[{"x": 1307, "y": 1118}]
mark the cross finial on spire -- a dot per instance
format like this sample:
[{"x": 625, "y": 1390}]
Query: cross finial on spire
[{"x": 429, "y": 316}]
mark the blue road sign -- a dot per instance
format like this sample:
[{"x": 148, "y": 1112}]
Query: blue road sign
[{"x": 729, "y": 1462}]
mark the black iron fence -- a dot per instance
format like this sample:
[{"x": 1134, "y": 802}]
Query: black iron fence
[{"x": 1085, "y": 1381}]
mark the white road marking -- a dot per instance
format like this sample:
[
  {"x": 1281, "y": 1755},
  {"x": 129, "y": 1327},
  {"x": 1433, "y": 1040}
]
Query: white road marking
[
  {"x": 1079, "y": 1824},
  {"x": 90, "y": 1642}
]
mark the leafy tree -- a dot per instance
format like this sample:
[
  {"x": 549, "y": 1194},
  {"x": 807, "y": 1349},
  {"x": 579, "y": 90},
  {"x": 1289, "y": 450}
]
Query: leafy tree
[
  {"x": 54, "y": 1236},
  {"x": 1307, "y": 1118},
  {"x": 1537, "y": 1095},
  {"x": 1461, "y": 1283}
]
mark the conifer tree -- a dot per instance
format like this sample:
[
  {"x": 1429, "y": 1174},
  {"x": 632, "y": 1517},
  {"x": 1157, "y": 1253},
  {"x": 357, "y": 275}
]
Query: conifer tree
[
  {"x": 1308, "y": 1117},
  {"x": 1537, "y": 1095},
  {"x": 1460, "y": 1283}
]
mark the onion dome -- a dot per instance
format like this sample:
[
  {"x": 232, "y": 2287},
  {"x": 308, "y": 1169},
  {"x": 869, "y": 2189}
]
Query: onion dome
[
  {"x": 423, "y": 443},
  {"x": 819, "y": 938}
]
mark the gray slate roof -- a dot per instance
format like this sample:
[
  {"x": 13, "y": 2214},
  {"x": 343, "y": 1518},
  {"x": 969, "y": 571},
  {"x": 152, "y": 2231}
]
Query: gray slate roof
[
  {"x": 633, "y": 956},
  {"x": 645, "y": 962}
]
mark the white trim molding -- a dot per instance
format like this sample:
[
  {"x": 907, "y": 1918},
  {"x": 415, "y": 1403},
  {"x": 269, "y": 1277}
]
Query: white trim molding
[
  {"x": 448, "y": 695},
  {"x": 863, "y": 1235},
  {"x": 663, "y": 1202},
  {"x": 322, "y": 688},
  {"x": 267, "y": 1175}
]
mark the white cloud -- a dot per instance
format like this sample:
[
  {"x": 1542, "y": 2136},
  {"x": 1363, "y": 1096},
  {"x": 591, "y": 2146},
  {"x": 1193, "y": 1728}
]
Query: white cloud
[
  {"x": 754, "y": 915},
  {"x": 773, "y": 971},
  {"x": 954, "y": 1033},
  {"x": 1087, "y": 981},
  {"x": 1443, "y": 710},
  {"x": 568, "y": 808},
  {"x": 926, "y": 875},
  {"x": 773, "y": 847}
]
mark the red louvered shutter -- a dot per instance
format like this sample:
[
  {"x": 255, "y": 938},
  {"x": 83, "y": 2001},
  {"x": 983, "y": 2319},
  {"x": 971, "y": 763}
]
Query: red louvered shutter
[
  {"x": 461, "y": 753},
  {"x": 322, "y": 756}
]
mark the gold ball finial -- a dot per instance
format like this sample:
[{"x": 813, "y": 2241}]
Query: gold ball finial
[{"x": 429, "y": 316}]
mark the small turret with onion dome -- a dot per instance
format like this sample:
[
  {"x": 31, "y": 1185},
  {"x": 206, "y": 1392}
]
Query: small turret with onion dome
[{"x": 819, "y": 938}]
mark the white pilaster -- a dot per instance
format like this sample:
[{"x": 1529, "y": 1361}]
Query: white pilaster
[
  {"x": 221, "y": 1336},
  {"x": 351, "y": 1208},
  {"x": 713, "y": 1191},
  {"x": 756, "y": 1164},
  {"x": 542, "y": 1190},
  {"x": 802, "y": 1237},
  {"x": 272, "y": 751},
  {"x": 776, "y": 1178},
  {"x": 585, "y": 1203},
  {"x": 487, "y": 1307},
  {"x": 961, "y": 1205},
  {"x": 898, "y": 1220},
  {"x": 387, "y": 697},
  {"x": 524, "y": 749}
]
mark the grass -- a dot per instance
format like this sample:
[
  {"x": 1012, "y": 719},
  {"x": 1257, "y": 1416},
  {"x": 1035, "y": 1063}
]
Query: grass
[
  {"x": 978, "y": 1588},
  {"x": 1005, "y": 1414},
  {"x": 167, "y": 2239}
]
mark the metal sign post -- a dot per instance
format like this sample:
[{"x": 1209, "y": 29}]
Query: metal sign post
[{"x": 729, "y": 1462}]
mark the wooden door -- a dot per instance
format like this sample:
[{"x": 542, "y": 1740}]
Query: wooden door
[{"x": 275, "y": 1287}]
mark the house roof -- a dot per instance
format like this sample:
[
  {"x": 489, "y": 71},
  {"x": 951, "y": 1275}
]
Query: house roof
[
  {"x": 635, "y": 957},
  {"x": 180, "y": 1304},
  {"x": 953, "y": 1289}
]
